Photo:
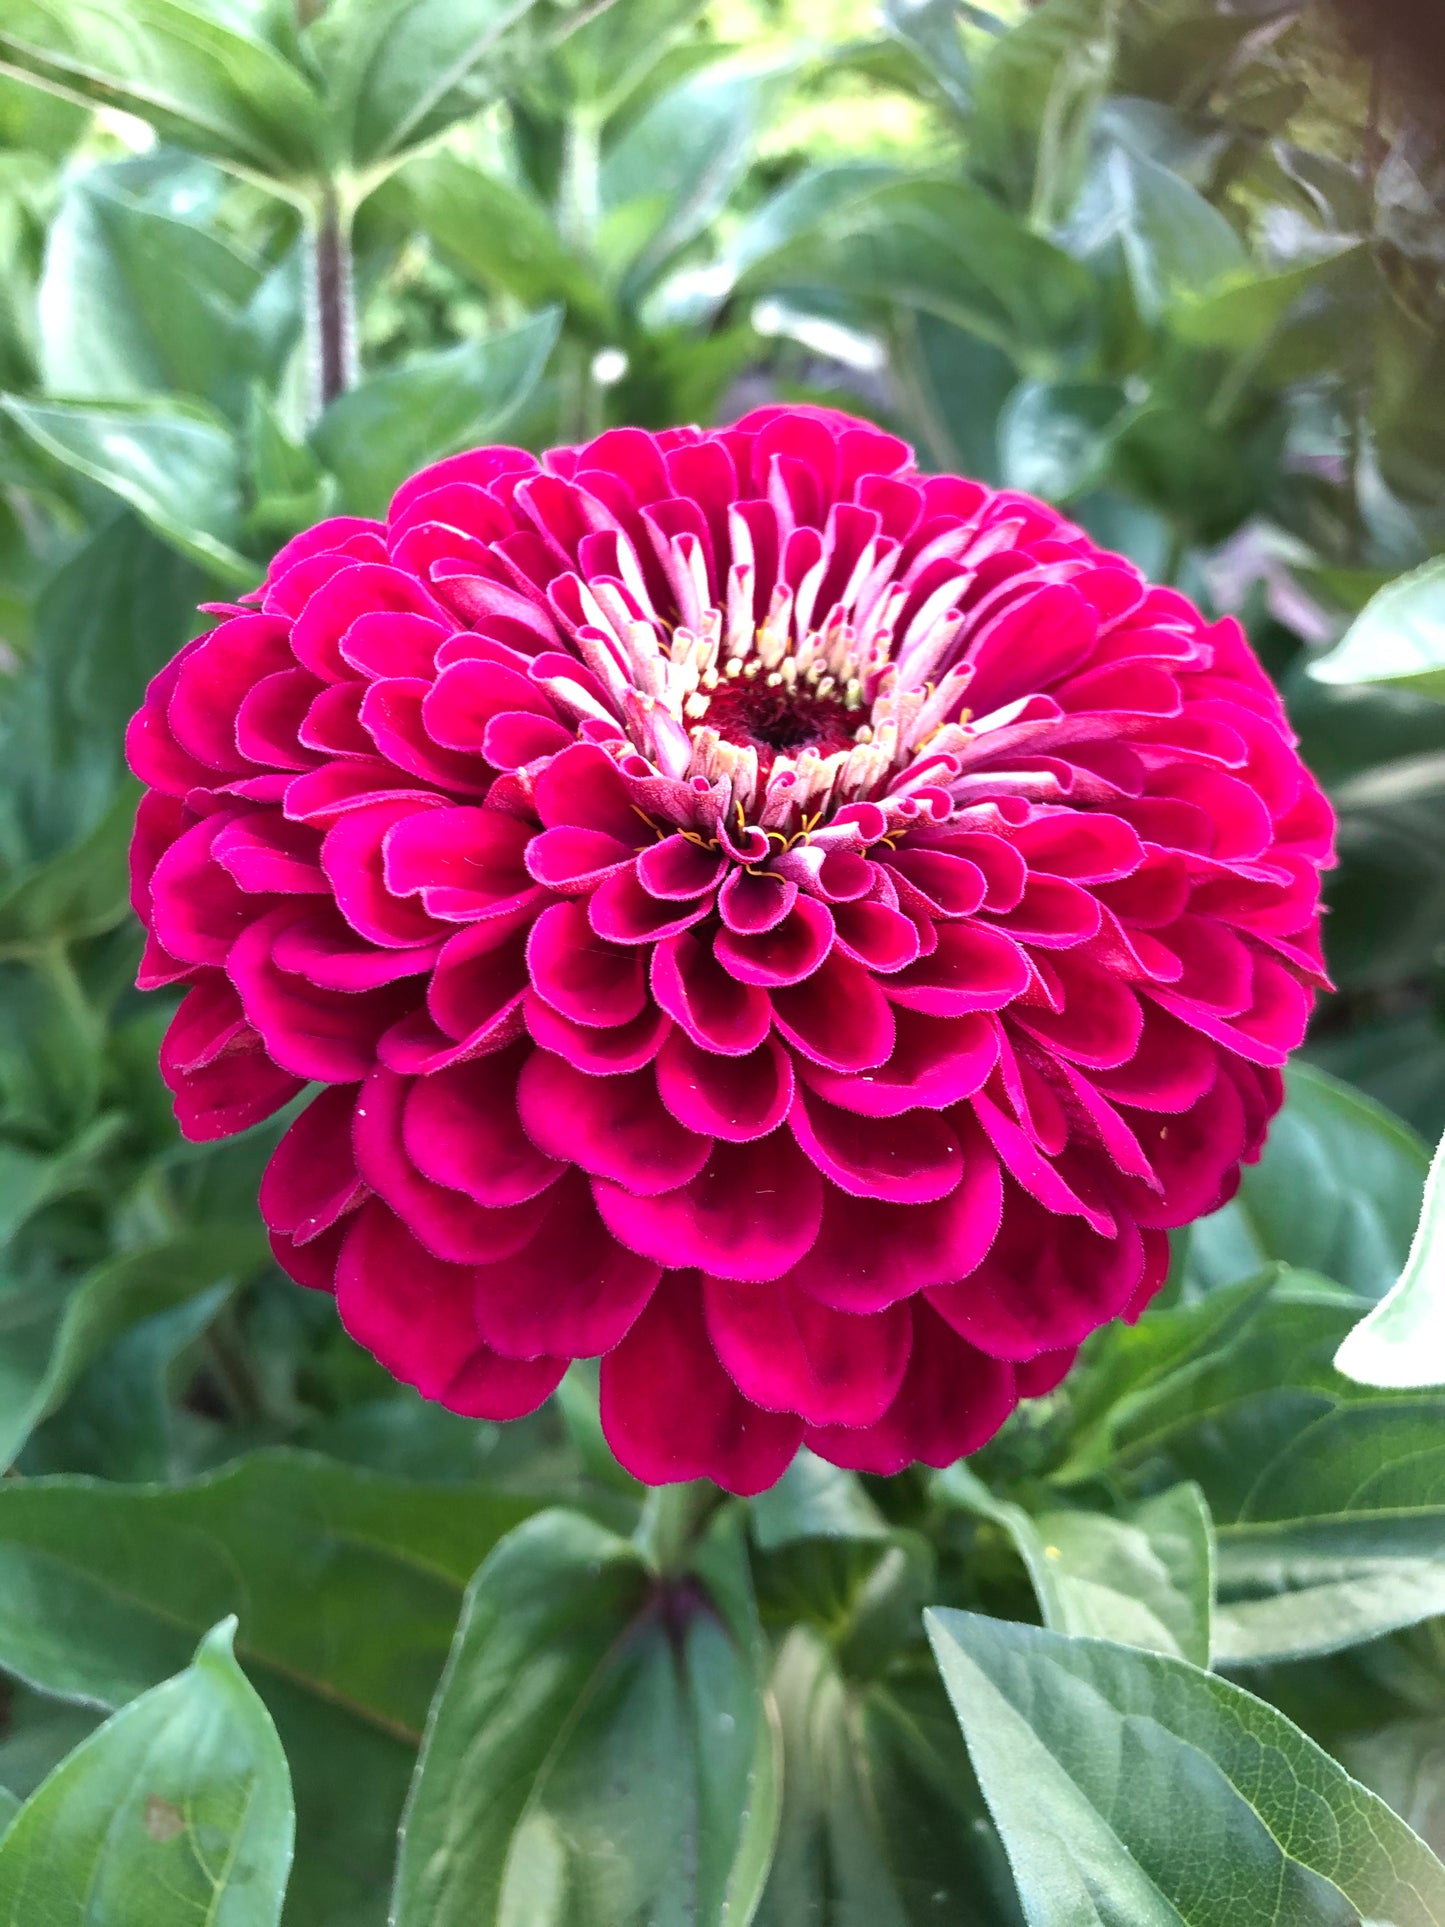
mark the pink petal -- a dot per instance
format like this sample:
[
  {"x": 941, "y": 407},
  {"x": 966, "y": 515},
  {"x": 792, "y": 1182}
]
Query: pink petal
[
  {"x": 572, "y": 1291},
  {"x": 788, "y": 1353},
  {"x": 752, "y": 1212},
  {"x": 612, "y": 1127},
  {"x": 935, "y": 1062},
  {"x": 422, "y": 1330},
  {"x": 913, "y": 1159},
  {"x": 460, "y": 1128},
  {"x": 671, "y": 1412},
  {"x": 952, "y": 1400},
  {"x": 716, "y": 1011},
  {"x": 311, "y": 1179},
  {"x": 736, "y": 1098},
  {"x": 580, "y": 975}
]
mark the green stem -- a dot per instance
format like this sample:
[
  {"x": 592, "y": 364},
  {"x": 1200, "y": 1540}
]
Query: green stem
[{"x": 672, "y": 1520}]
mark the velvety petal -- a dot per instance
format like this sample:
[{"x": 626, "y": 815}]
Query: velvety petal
[
  {"x": 751, "y": 1212},
  {"x": 973, "y": 968},
  {"x": 447, "y": 1222},
  {"x": 788, "y": 953},
  {"x": 1046, "y": 1283},
  {"x": 711, "y": 1007},
  {"x": 736, "y": 1098},
  {"x": 311, "y": 1180},
  {"x": 952, "y": 1400},
  {"x": 787, "y": 1352},
  {"x": 839, "y": 1018},
  {"x": 869, "y": 1254},
  {"x": 913, "y": 1159},
  {"x": 426, "y": 1335},
  {"x": 579, "y": 974},
  {"x": 935, "y": 1062},
  {"x": 671, "y": 1412},
  {"x": 460, "y": 1128},
  {"x": 611, "y": 1127},
  {"x": 572, "y": 1290},
  {"x": 602, "y": 1053}
]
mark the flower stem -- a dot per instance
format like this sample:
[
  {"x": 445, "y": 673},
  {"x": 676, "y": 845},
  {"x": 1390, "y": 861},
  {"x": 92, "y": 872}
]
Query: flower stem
[
  {"x": 332, "y": 315},
  {"x": 672, "y": 1520}
]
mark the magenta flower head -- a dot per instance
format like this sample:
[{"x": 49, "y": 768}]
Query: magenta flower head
[{"x": 798, "y": 929}]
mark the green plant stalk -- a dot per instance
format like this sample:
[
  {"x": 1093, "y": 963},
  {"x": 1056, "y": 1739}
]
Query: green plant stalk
[{"x": 672, "y": 1520}]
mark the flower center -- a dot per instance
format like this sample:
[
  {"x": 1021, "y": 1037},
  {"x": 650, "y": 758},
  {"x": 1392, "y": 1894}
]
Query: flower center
[{"x": 777, "y": 719}]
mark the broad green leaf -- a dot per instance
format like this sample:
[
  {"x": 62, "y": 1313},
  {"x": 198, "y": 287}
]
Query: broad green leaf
[
  {"x": 814, "y": 1500},
  {"x": 177, "y": 301},
  {"x": 348, "y": 1586},
  {"x": 503, "y": 236},
  {"x": 930, "y": 31},
  {"x": 31, "y": 1179},
  {"x": 39, "y": 1732},
  {"x": 1341, "y": 1539},
  {"x": 203, "y": 81},
  {"x": 807, "y": 199},
  {"x": 1172, "y": 242},
  {"x": 52, "y": 1039},
  {"x": 1397, "y": 639},
  {"x": 950, "y": 250},
  {"x": 1337, "y": 1191},
  {"x": 175, "y": 464},
  {"x": 882, "y": 1823},
  {"x": 1145, "y": 1579},
  {"x": 1404, "y": 1763},
  {"x": 107, "y": 619},
  {"x": 80, "y": 893},
  {"x": 399, "y": 72},
  {"x": 1402, "y": 1341},
  {"x": 177, "y": 1811},
  {"x": 1055, "y": 438},
  {"x": 598, "y": 1751},
  {"x": 1134, "y": 1790},
  {"x": 1399, "y": 1061},
  {"x": 611, "y": 52},
  {"x": 392, "y": 424},
  {"x": 1035, "y": 96},
  {"x": 43, "y": 1350},
  {"x": 674, "y": 169}
]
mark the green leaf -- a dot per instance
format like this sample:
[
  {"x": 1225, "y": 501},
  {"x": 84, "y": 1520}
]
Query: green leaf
[
  {"x": 177, "y": 1810},
  {"x": 1342, "y": 1537},
  {"x": 180, "y": 304},
  {"x": 1135, "y": 1790},
  {"x": 611, "y": 52},
  {"x": 1404, "y": 1763},
  {"x": 1055, "y": 438},
  {"x": 1402, "y": 1341},
  {"x": 1337, "y": 1191},
  {"x": 598, "y": 1750},
  {"x": 503, "y": 236},
  {"x": 1234, "y": 1405},
  {"x": 1173, "y": 243},
  {"x": 43, "y": 1351},
  {"x": 205, "y": 82},
  {"x": 1035, "y": 97},
  {"x": 176, "y": 465},
  {"x": 674, "y": 169},
  {"x": 399, "y": 72},
  {"x": 1397, "y": 639},
  {"x": 348, "y": 1585},
  {"x": 392, "y": 424},
  {"x": 80, "y": 893},
  {"x": 814, "y": 1500},
  {"x": 882, "y": 1822},
  {"x": 948, "y": 249},
  {"x": 107, "y": 619},
  {"x": 1145, "y": 1580}
]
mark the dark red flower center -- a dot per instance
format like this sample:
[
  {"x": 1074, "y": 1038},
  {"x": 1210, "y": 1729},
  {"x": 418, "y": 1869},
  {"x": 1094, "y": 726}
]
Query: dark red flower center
[{"x": 776, "y": 720}]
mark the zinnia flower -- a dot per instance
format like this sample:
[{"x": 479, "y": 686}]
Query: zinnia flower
[{"x": 799, "y": 929}]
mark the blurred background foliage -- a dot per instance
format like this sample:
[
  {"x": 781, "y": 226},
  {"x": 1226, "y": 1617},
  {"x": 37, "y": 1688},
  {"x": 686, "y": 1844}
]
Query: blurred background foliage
[{"x": 1176, "y": 266}]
